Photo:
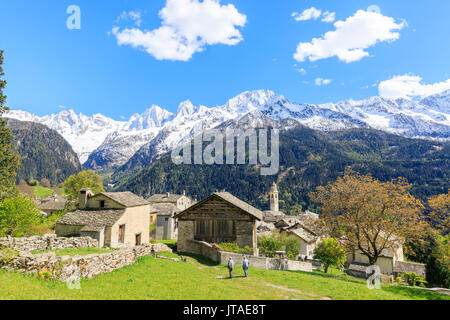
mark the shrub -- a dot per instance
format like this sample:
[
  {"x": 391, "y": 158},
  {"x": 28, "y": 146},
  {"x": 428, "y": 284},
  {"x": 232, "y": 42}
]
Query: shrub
[
  {"x": 413, "y": 279},
  {"x": 7, "y": 256},
  {"x": 234, "y": 248},
  {"x": 292, "y": 245},
  {"x": 269, "y": 245},
  {"x": 17, "y": 215},
  {"x": 330, "y": 253}
]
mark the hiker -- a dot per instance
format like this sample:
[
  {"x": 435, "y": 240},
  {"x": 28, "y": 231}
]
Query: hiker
[
  {"x": 231, "y": 266},
  {"x": 245, "y": 265}
]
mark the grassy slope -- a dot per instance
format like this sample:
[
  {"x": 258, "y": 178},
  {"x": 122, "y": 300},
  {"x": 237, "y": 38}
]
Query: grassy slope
[
  {"x": 152, "y": 278},
  {"x": 42, "y": 192}
]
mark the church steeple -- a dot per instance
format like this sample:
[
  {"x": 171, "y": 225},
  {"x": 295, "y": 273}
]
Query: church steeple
[{"x": 273, "y": 195}]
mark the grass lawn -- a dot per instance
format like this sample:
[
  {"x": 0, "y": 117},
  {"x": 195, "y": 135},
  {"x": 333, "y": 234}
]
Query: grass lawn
[
  {"x": 152, "y": 278},
  {"x": 42, "y": 192},
  {"x": 75, "y": 252},
  {"x": 167, "y": 242}
]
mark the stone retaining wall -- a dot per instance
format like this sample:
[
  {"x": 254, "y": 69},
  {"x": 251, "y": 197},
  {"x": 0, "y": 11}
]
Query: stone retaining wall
[
  {"x": 46, "y": 242},
  {"x": 207, "y": 250},
  {"x": 65, "y": 267}
]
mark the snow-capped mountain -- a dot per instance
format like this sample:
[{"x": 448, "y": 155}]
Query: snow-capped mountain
[
  {"x": 102, "y": 142},
  {"x": 85, "y": 134}
]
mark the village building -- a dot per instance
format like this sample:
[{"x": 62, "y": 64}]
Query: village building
[
  {"x": 51, "y": 204},
  {"x": 221, "y": 217},
  {"x": 167, "y": 206},
  {"x": 166, "y": 226},
  {"x": 306, "y": 231},
  {"x": 115, "y": 219},
  {"x": 391, "y": 261}
]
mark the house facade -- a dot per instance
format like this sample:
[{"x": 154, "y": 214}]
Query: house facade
[
  {"x": 167, "y": 206},
  {"x": 115, "y": 219},
  {"x": 391, "y": 262},
  {"x": 221, "y": 217}
]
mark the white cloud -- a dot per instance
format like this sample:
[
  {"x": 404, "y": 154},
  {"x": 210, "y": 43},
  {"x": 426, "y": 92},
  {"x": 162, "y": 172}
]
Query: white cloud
[
  {"x": 322, "y": 82},
  {"x": 187, "y": 27},
  {"x": 410, "y": 86},
  {"x": 374, "y": 8},
  {"x": 314, "y": 14},
  {"x": 329, "y": 17},
  {"x": 132, "y": 15},
  {"x": 302, "y": 71},
  {"x": 309, "y": 14},
  {"x": 351, "y": 38}
]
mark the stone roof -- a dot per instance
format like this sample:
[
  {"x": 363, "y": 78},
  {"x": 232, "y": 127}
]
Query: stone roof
[
  {"x": 127, "y": 199},
  {"x": 240, "y": 204},
  {"x": 403, "y": 267},
  {"x": 94, "y": 228},
  {"x": 228, "y": 197},
  {"x": 358, "y": 266},
  {"x": 170, "y": 198},
  {"x": 303, "y": 234},
  {"x": 166, "y": 209},
  {"x": 92, "y": 217},
  {"x": 52, "y": 204},
  {"x": 272, "y": 216}
]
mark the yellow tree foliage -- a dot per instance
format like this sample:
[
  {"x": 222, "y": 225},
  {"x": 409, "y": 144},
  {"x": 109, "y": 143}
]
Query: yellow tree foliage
[
  {"x": 369, "y": 215},
  {"x": 440, "y": 214}
]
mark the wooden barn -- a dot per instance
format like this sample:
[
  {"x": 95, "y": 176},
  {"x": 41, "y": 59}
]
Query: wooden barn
[{"x": 220, "y": 217}]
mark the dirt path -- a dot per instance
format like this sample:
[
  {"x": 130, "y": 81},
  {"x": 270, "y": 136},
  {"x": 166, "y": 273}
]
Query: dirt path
[{"x": 297, "y": 291}]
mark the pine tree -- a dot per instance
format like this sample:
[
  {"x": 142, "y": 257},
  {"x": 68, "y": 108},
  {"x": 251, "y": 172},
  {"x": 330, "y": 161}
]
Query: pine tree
[{"x": 9, "y": 159}]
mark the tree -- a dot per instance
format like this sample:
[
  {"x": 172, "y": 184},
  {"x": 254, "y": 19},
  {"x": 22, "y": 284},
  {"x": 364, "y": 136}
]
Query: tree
[
  {"x": 84, "y": 179},
  {"x": 433, "y": 250},
  {"x": 330, "y": 253},
  {"x": 367, "y": 214},
  {"x": 440, "y": 214},
  {"x": 9, "y": 159},
  {"x": 17, "y": 215}
]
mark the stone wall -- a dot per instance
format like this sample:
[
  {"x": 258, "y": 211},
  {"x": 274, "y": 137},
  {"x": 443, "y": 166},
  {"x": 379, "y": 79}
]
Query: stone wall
[
  {"x": 64, "y": 267},
  {"x": 207, "y": 250},
  {"x": 46, "y": 242}
]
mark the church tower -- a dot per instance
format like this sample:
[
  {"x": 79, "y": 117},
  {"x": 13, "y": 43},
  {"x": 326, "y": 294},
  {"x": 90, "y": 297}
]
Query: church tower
[{"x": 273, "y": 195}]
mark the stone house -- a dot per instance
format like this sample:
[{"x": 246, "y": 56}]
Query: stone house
[
  {"x": 179, "y": 201},
  {"x": 51, "y": 204},
  {"x": 308, "y": 236},
  {"x": 221, "y": 217},
  {"x": 115, "y": 219},
  {"x": 167, "y": 206},
  {"x": 391, "y": 261},
  {"x": 166, "y": 227}
]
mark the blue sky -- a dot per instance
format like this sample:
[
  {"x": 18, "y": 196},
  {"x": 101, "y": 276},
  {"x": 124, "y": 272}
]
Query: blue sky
[{"x": 48, "y": 66}]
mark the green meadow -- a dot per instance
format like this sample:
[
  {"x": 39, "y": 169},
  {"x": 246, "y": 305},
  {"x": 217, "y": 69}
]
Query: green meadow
[{"x": 198, "y": 278}]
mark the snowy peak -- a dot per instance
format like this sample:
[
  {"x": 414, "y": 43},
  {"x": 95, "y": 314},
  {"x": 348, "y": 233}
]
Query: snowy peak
[
  {"x": 439, "y": 102},
  {"x": 186, "y": 108},
  {"x": 153, "y": 117},
  {"x": 252, "y": 100}
]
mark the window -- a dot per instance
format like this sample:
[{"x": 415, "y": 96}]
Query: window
[
  {"x": 121, "y": 233},
  {"x": 102, "y": 203}
]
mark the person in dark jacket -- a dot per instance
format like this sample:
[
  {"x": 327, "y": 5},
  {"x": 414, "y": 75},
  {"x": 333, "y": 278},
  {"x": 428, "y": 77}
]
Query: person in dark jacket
[
  {"x": 245, "y": 265},
  {"x": 231, "y": 266}
]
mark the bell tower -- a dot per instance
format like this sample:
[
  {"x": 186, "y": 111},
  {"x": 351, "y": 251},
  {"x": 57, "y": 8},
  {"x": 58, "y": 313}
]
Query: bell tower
[{"x": 273, "y": 195}]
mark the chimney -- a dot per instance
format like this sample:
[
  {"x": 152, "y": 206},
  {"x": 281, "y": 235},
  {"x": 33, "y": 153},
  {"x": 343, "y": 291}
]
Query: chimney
[
  {"x": 167, "y": 194},
  {"x": 83, "y": 197},
  {"x": 184, "y": 192}
]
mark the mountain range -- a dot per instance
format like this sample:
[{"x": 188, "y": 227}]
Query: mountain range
[
  {"x": 102, "y": 143},
  {"x": 43, "y": 152}
]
